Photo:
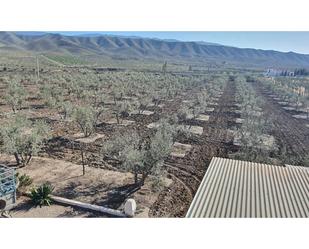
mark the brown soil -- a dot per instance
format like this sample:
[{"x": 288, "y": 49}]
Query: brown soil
[
  {"x": 107, "y": 188},
  {"x": 188, "y": 172},
  {"x": 292, "y": 135}
]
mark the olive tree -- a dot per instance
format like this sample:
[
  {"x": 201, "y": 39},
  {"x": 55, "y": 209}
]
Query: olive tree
[
  {"x": 156, "y": 97},
  {"x": 67, "y": 109},
  {"x": 86, "y": 118},
  {"x": 123, "y": 109},
  {"x": 52, "y": 95},
  {"x": 118, "y": 91},
  {"x": 126, "y": 149},
  {"x": 141, "y": 157},
  {"x": 22, "y": 138},
  {"x": 183, "y": 113},
  {"x": 158, "y": 150},
  {"x": 142, "y": 103},
  {"x": 16, "y": 95}
]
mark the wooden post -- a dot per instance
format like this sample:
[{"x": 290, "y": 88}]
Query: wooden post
[
  {"x": 37, "y": 69},
  {"x": 83, "y": 159}
]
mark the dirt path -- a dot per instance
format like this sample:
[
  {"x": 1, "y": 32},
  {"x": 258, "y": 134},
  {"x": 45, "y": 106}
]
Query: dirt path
[
  {"x": 290, "y": 133},
  {"x": 57, "y": 63},
  {"x": 175, "y": 200}
]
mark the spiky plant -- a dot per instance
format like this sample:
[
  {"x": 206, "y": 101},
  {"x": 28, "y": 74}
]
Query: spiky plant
[{"x": 40, "y": 196}]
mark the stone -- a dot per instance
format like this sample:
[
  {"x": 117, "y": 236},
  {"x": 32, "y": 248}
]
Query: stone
[
  {"x": 180, "y": 150},
  {"x": 289, "y": 108},
  {"x": 209, "y": 109},
  {"x": 91, "y": 139},
  {"x": 198, "y": 130},
  {"x": 152, "y": 105},
  {"x": 283, "y": 103},
  {"x": 239, "y": 120},
  {"x": 123, "y": 122},
  {"x": 202, "y": 117},
  {"x": 304, "y": 116},
  {"x": 130, "y": 207},
  {"x": 144, "y": 112},
  {"x": 153, "y": 125}
]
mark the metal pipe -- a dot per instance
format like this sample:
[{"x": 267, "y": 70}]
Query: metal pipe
[{"x": 88, "y": 206}]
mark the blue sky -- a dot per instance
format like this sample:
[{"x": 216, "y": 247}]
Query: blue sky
[{"x": 281, "y": 41}]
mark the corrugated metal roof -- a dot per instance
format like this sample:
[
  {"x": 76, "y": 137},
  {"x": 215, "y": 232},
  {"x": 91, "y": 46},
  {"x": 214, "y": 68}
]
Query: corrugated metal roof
[{"x": 233, "y": 188}]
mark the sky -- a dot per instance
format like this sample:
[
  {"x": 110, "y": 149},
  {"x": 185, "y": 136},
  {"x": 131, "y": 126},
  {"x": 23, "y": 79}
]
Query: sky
[{"x": 281, "y": 41}]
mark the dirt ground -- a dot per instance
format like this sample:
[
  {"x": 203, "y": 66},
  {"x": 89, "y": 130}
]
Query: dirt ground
[
  {"x": 292, "y": 135},
  {"x": 25, "y": 209},
  {"x": 98, "y": 186},
  {"x": 188, "y": 172}
]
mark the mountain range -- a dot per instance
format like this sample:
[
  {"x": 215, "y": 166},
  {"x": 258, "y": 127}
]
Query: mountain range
[{"x": 147, "y": 48}]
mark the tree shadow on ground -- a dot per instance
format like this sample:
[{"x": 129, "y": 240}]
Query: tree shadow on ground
[
  {"x": 57, "y": 145},
  {"x": 116, "y": 196},
  {"x": 48, "y": 120},
  {"x": 108, "y": 195},
  {"x": 37, "y": 106}
]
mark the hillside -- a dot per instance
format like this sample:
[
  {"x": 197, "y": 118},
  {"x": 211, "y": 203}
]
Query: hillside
[{"x": 145, "y": 48}]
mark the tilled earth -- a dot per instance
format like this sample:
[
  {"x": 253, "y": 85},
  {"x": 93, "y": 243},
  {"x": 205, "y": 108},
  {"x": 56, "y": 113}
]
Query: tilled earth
[
  {"x": 188, "y": 172},
  {"x": 291, "y": 134}
]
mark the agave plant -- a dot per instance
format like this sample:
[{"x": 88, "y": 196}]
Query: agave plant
[{"x": 40, "y": 196}]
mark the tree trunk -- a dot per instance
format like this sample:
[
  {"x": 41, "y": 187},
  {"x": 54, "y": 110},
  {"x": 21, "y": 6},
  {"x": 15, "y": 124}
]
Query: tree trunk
[
  {"x": 144, "y": 176},
  {"x": 29, "y": 158},
  {"x": 17, "y": 158}
]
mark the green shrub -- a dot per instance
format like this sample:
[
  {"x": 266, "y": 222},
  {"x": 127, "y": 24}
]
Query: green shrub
[
  {"x": 23, "y": 182},
  {"x": 40, "y": 196}
]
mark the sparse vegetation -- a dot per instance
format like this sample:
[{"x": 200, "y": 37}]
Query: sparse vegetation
[{"x": 125, "y": 119}]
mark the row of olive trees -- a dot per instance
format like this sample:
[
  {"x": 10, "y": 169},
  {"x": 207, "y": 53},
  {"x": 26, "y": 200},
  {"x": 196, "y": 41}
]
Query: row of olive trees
[
  {"x": 294, "y": 92},
  {"x": 91, "y": 93},
  {"x": 208, "y": 91},
  {"x": 254, "y": 127}
]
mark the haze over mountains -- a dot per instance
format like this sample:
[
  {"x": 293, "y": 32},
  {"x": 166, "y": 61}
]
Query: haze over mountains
[{"x": 147, "y": 48}]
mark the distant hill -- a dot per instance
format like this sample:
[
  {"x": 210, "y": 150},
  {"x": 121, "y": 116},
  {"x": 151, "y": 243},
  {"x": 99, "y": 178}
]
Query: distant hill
[{"x": 147, "y": 48}]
